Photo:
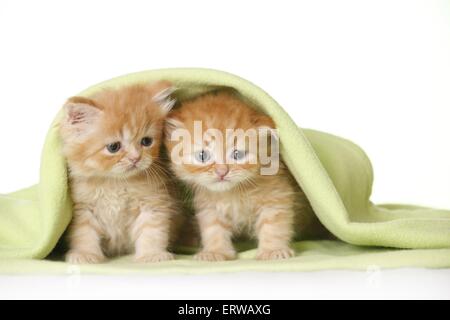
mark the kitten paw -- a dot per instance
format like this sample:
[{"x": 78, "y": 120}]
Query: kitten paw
[
  {"x": 275, "y": 254},
  {"x": 154, "y": 257},
  {"x": 75, "y": 257},
  {"x": 212, "y": 256}
]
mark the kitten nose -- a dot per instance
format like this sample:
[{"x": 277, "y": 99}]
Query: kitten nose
[
  {"x": 221, "y": 170},
  {"x": 135, "y": 160}
]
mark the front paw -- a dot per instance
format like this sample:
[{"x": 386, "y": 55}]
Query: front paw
[
  {"x": 278, "y": 254},
  {"x": 154, "y": 257},
  {"x": 76, "y": 257},
  {"x": 214, "y": 256}
]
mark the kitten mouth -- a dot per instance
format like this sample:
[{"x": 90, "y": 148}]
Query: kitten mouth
[
  {"x": 137, "y": 167},
  {"x": 221, "y": 185},
  {"x": 133, "y": 168}
]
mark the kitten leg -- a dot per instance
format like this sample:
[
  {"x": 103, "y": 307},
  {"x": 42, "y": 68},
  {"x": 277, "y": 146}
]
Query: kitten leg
[
  {"x": 275, "y": 230},
  {"x": 84, "y": 239},
  {"x": 151, "y": 232},
  {"x": 216, "y": 237}
]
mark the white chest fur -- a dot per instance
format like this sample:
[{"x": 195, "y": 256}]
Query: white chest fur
[
  {"x": 239, "y": 211},
  {"x": 114, "y": 209}
]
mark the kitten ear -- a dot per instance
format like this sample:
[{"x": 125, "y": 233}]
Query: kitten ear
[
  {"x": 171, "y": 125},
  {"x": 162, "y": 95},
  {"x": 267, "y": 126},
  {"x": 80, "y": 113},
  {"x": 269, "y": 132}
]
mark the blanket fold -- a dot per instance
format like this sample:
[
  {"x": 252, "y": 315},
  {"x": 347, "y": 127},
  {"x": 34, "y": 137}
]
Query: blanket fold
[{"x": 335, "y": 174}]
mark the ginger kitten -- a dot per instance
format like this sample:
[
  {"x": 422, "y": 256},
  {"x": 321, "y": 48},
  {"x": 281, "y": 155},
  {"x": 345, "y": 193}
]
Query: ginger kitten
[
  {"x": 122, "y": 196},
  {"x": 233, "y": 198}
]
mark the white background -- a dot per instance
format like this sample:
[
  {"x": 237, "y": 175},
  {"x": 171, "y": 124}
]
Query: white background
[{"x": 376, "y": 72}]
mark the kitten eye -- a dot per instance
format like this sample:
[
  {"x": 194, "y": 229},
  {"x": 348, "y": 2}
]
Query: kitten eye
[
  {"x": 147, "y": 141},
  {"x": 238, "y": 154},
  {"x": 114, "y": 147},
  {"x": 202, "y": 156}
]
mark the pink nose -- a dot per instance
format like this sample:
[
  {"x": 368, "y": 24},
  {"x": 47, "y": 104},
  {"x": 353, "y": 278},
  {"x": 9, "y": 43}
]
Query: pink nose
[
  {"x": 221, "y": 171},
  {"x": 135, "y": 160}
]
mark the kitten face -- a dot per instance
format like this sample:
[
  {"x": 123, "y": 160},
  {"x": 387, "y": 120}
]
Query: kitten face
[
  {"x": 116, "y": 133},
  {"x": 218, "y": 167},
  {"x": 216, "y": 164}
]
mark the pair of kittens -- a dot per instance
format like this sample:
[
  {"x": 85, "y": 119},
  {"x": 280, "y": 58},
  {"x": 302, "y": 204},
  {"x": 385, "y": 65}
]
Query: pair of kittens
[{"x": 126, "y": 198}]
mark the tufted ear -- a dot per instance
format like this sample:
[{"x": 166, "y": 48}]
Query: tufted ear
[
  {"x": 162, "y": 95},
  {"x": 266, "y": 126},
  {"x": 171, "y": 125},
  {"x": 270, "y": 133},
  {"x": 80, "y": 114}
]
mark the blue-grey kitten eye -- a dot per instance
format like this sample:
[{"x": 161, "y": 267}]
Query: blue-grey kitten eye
[
  {"x": 147, "y": 141},
  {"x": 114, "y": 147},
  {"x": 238, "y": 154},
  {"x": 202, "y": 156}
]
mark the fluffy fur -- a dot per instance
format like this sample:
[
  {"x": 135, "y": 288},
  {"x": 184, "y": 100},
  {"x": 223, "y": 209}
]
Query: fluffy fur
[
  {"x": 122, "y": 199},
  {"x": 244, "y": 203}
]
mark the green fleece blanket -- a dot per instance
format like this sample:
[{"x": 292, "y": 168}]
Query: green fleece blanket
[{"x": 335, "y": 174}]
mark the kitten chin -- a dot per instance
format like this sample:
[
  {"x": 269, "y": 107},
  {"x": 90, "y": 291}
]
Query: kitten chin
[
  {"x": 271, "y": 208},
  {"x": 122, "y": 193},
  {"x": 221, "y": 186}
]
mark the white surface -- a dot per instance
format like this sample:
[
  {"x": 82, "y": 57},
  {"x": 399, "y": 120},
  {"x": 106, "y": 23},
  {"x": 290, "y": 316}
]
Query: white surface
[
  {"x": 374, "y": 284},
  {"x": 377, "y": 72}
]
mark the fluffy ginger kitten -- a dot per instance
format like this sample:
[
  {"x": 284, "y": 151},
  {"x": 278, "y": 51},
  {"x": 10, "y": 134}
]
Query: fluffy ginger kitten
[
  {"x": 122, "y": 199},
  {"x": 232, "y": 198}
]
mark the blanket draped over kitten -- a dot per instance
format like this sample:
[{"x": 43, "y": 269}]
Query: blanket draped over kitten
[
  {"x": 231, "y": 196},
  {"x": 122, "y": 194}
]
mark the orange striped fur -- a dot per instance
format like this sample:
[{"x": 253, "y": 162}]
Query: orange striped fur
[
  {"x": 271, "y": 208},
  {"x": 122, "y": 201}
]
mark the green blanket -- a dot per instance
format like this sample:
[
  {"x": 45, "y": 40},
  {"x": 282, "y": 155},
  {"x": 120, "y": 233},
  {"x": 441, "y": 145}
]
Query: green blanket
[{"x": 335, "y": 174}]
